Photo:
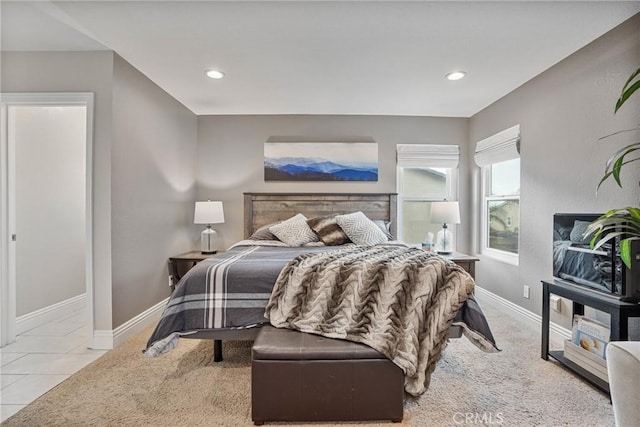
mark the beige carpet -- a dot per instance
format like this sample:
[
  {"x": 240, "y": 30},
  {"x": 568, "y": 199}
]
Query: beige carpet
[{"x": 184, "y": 388}]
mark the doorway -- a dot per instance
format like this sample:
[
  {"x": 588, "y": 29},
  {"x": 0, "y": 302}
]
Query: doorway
[{"x": 46, "y": 233}]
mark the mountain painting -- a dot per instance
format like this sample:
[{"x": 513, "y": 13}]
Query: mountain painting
[{"x": 320, "y": 161}]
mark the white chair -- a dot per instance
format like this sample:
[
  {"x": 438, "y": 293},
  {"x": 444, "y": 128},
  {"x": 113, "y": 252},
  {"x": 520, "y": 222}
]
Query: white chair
[{"x": 623, "y": 367}]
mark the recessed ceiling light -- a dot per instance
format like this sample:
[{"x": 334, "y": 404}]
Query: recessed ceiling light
[
  {"x": 214, "y": 74},
  {"x": 456, "y": 75}
]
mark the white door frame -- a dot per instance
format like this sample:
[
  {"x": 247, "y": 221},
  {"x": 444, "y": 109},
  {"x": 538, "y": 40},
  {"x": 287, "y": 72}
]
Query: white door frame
[{"x": 7, "y": 206}]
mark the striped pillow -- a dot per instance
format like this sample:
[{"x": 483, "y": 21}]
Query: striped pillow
[
  {"x": 360, "y": 229},
  {"x": 328, "y": 230}
]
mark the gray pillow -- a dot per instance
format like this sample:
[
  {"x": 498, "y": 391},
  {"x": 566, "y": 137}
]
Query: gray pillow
[
  {"x": 263, "y": 232},
  {"x": 385, "y": 226},
  {"x": 577, "y": 232},
  {"x": 360, "y": 229},
  {"x": 294, "y": 231}
]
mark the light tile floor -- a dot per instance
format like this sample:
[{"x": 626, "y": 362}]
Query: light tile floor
[{"x": 42, "y": 358}]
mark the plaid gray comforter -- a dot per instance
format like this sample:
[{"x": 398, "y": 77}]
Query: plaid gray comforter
[{"x": 231, "y": 290}]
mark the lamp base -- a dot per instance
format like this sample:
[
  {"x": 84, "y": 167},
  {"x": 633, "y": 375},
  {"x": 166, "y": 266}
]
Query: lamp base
[
  {"x": 444, "y": 241},
  {"x": 444, "y": 252},
  {"x": 209, "y": 241}
]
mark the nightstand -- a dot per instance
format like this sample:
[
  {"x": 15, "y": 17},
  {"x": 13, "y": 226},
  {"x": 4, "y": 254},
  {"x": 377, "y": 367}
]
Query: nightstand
[
  {"x": 180, "y": 264},
  {"x": 467, "y": 262}
]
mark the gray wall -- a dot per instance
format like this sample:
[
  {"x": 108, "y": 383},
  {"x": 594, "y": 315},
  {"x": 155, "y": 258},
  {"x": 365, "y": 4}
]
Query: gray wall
[
  {"x": 143, "y": 172},
  {"x": 562, "y": 113},
  {"x": 153, "y": 189},
  {"x": 78, "y": 72},
  {"x": 230, "y": 156}
]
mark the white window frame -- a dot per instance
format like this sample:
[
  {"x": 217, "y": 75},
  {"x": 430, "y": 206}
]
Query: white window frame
[
  {"x": 497, "y": 148},
  {"x": 430, "y": 160},
  {"x": 500, "y": 255}
]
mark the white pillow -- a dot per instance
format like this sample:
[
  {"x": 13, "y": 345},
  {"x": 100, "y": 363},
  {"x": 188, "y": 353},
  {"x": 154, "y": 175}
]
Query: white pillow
[
  {"x": 360, "y": 229},
  {"x": 294, "y": 231}
]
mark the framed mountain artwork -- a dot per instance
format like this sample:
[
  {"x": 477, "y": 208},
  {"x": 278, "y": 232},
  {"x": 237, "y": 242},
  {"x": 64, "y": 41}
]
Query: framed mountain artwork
[{"x": 320, "y": 161}]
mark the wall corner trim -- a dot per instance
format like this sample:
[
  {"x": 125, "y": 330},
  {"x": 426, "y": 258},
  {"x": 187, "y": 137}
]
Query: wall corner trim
[
  {"x": 109, "y": 339},
  {"x": 101, "y": 340}
]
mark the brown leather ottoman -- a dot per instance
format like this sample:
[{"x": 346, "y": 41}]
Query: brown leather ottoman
[{"x": 304, "y": 377}]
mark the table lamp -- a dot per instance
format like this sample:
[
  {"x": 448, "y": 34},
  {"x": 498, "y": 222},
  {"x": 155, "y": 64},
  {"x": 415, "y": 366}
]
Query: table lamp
[
  {"x": 208, "y": 213},
  {"x": 447, "y": 213}
]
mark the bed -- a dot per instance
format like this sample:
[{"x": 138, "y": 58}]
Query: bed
[{"x": 236, "y": 307}]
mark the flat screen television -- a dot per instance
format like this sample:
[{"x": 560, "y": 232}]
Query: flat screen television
[{"x": 601, "y": 270}]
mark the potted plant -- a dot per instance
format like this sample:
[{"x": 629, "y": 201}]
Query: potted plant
[{"x": 623, "y": 222}]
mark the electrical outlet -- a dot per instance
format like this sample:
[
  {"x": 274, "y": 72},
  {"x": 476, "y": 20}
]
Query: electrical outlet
[
  {"x": 555, "y": 303},
  {"x": 525, "y": 291}
]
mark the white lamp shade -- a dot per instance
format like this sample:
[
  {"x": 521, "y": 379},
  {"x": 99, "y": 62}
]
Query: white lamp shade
[
  {"x": 445, "y": 212},
  {"x": 208, "y": 213}
]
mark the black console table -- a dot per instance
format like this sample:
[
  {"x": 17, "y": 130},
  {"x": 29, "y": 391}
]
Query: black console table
[{"x": 619, "y": 311}]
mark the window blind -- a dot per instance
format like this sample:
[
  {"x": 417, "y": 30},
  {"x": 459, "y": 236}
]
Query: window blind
[
  {"x": 500, "y": 147},
  {"x": 427, "y": 155}
]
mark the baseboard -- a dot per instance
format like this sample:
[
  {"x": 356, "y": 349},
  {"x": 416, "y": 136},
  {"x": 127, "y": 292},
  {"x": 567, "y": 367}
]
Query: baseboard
[
  {"x": 50, "y": 313},
  {"x": 106, "y": 340},
  {"x": 557, "y": 333},
  {"x": 102, "y": 339},
  {"x": 138, "y": 323}
]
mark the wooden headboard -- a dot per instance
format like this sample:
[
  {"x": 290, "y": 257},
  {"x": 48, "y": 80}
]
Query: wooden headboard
[{"x": 264, "y": 208}]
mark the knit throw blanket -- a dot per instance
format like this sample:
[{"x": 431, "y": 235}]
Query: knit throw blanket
[{"x": 400, "y": 301}]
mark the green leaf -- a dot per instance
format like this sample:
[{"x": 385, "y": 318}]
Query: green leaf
[
  {"x": 621, "y": 222},
  {"x": 625, "y": 252},
  {"x": 618, "y": 133},
  {"x": 604, "y": 178},
  {"x": 605, "y": 239},
  {"x": 628, "y": 89},
  {"x": 620, "y": 152},
  {"x": 634, "y": 212},
  {"x": 613, "y": 212},
  {"x": 616, "y": 162},
  {"x": 631, "y": 77},
  {"x": 616, "y": 170},
  {"x": 626, "y": 94}
]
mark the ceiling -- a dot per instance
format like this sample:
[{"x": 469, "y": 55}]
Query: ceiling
[{"x": 322, "y": 57}]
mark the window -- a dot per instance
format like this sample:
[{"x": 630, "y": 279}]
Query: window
[
  {"x": 499, "y": 158},
  {"x": 425, "y": 173},
  {"x": 503, "y": 205}
]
